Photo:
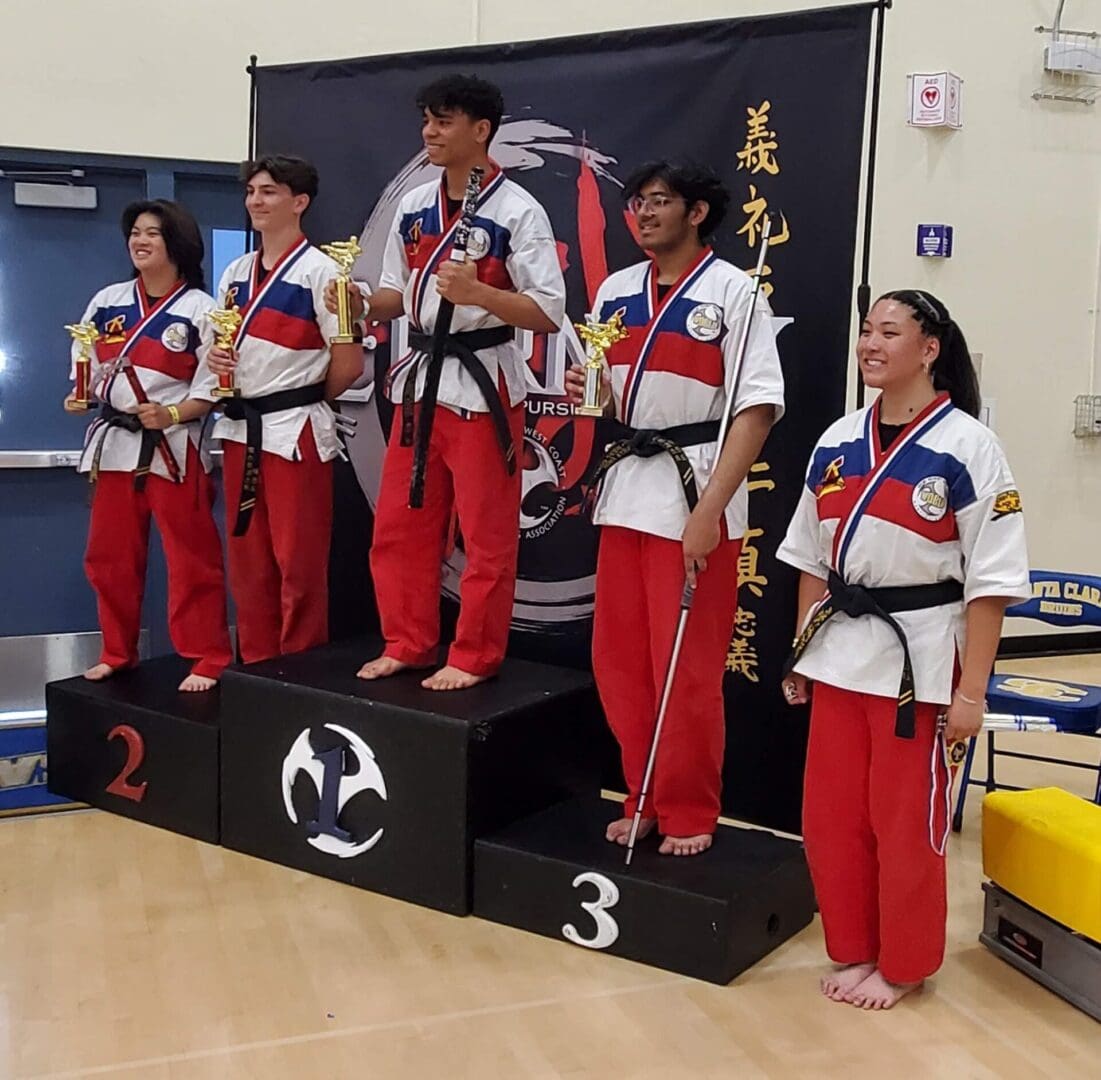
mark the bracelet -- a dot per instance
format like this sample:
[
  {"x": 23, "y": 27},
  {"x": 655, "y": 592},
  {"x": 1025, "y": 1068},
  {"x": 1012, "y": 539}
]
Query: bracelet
[
  {"x": 964, "y": 698},
  {"x": 174, "y": 413}
]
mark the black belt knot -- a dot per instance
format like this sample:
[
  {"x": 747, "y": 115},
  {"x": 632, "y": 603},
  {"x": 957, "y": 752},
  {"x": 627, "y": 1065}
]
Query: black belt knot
[
  {"x": 646, "y": 443},
  {"x": 150, "y": 438},
  {"x": 252, "y": 411},
  {"x": 852, "y": 600},
  {"x": 464, "y": 346},
  {"x": 649, "y": 442},
  {"x": 856, "y": 601}
]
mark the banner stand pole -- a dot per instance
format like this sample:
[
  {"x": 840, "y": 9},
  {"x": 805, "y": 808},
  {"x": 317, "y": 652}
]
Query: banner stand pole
[
  {"x": 250, "y": 152},
  {"x": 864, "y": 289}
]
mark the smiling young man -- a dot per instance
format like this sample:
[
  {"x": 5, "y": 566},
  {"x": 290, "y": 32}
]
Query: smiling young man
[
  {"x": 670, "y": 517},
  {"x": 280, "y": 436},
  {"x": 511, "y": 280}
]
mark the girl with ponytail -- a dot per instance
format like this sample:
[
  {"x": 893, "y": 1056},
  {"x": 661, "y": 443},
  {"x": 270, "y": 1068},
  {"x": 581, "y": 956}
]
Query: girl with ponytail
[
  {"x": 910, "y": 544},
  {"x": 952, "y": 371}
]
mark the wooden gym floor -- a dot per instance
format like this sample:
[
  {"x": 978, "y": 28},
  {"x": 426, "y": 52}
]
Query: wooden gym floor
[{"x": 130, "y": 952}]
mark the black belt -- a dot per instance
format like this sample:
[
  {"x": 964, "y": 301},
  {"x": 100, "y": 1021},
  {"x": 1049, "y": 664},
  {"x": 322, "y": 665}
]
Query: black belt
[
  {"x": 251, "y": 410},
  {"x": 150, "y": 437},
  {"x": 855, "y": 600},
  {"x": 649, "y": 442},
  {"x": 464, "y": 346}
]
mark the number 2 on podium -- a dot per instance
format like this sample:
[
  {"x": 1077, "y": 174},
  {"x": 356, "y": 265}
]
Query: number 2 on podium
[{"x": 135, "y": 755}]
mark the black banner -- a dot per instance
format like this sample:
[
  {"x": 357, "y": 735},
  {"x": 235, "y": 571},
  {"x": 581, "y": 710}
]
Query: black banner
[{"x": 777, "y": 106}]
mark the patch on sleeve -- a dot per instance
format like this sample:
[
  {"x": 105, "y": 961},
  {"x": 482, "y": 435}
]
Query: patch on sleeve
[
  {"x": 1007, "y": 502},
  {"x": 832, "y": 480}
]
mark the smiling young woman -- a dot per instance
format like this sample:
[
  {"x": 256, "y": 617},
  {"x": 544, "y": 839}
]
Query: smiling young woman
[
  {"x": 911, "y": 544},
  {"x": 142, "y": 448}
]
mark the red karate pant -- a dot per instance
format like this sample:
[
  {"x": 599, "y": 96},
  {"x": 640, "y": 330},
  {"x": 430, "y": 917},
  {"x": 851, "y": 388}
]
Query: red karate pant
[
  {"x": 465, "y": 470},
  {"x": 115, "y": 562},
  {"x": 639, "y": 582},
  {"x": 879, "y": 883},
  {"x": 279, "y": 570}
]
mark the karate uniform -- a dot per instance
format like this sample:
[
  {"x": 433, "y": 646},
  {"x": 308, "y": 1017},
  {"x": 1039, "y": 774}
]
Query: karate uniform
[
  {"x": 939, "y": 506},
  {"x": 674, "y": 368},
  {"x": 466, "y": 471},
  {"x": 280, "y": 533},
  {"x": 160, "y": 341}
]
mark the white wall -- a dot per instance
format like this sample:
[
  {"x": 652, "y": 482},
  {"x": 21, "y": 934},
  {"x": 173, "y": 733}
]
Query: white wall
[{"x": 1020, "y": 182}]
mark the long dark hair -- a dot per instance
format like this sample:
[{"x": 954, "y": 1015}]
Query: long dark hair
[
  {"x": 182, "y": 239},
  {"x": 953, "y": 369}
]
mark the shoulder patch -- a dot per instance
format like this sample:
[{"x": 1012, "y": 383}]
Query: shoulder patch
[
  {"x": 1007, "y": 502},
  {"x": 832, "y": 480}
]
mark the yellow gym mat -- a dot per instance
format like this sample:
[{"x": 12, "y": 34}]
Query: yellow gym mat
[{"x": 1044, "y": 847}]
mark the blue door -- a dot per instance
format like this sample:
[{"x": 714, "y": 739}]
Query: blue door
[{"x": 51, "y": 262}]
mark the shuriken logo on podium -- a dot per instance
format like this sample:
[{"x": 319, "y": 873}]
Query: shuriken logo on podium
[{"x": 335, "y": 788}]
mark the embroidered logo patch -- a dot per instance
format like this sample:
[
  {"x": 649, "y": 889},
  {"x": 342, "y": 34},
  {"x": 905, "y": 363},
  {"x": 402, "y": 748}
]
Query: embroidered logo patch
[
  {"x": 705, "y": 322},
  {"x": 957, "y": 752},
  {"x": 832, "y": 480},
  {"x": 477, "y": 243},
  {"x": 113, "y": 330},
  {"x": 1008, "y": 502},
  {"x": 175, "y": 336},
  {"x": 930, "y": 498}
]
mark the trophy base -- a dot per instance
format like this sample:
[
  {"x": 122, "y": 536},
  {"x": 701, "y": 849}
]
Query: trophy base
[
  {"x": 82, "y": 406},
  {"x": 588, "y": 410},
  {"x": 345, "y": 339},
  {"x": 227, "y": 391}
]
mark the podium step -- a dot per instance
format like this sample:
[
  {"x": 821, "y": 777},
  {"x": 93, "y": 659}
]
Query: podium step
[
  {"x": 710, "y": 916},
  {"x": 385, "y": 785},
  {"x": 134, "y": 745}
]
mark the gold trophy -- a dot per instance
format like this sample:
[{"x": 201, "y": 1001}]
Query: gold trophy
[
  {"x": 599, "y": 338},
  {"x": 86, "y": 335},
  {"x": 344, "y": 253},
  {"x": 225, "y": 322}
]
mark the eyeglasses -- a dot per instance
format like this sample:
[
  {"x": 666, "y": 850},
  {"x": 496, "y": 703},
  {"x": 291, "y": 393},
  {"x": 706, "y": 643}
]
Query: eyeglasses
[{"x": 637, "y": 203}]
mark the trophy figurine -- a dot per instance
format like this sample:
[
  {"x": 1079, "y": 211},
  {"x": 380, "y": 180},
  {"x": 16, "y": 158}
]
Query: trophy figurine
[
  {"x": 225, "y": 322},
  {"x": 86, "y": 335},
  {"x": 344, "y": 253},
  {"x": 598, "y": 337}
]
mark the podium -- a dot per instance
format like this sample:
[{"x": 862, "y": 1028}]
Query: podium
[
  {"x": 385, "y": 785},
  {"x": 480, "y": 800},
  {"x": 710, "y": 916},
  {"x": 134, "y": 745}
]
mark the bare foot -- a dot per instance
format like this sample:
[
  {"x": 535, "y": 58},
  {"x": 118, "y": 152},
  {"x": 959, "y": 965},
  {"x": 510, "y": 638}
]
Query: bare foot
[
  {"x": 875, "y": 992},
  {"x": 452, "y": 678},
  {"x": 845, "y": 979},
  {"x": 685, "y": 845},
  {"x": 381, "y": 667},
  {"x": 619, "y": 831},
  {"x": 196, "y": 683},
  {"x": 99, "y": 672}
]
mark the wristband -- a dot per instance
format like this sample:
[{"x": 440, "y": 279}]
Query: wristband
[{"x": 174, "y": 413}]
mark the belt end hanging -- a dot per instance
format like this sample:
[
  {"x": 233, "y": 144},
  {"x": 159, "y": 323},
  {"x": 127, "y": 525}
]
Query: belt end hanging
[{"x": 906, "y": 716}]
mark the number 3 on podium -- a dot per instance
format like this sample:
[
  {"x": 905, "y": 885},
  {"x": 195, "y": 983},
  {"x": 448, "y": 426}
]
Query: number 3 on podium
[{"x": 607, "y": 929}]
